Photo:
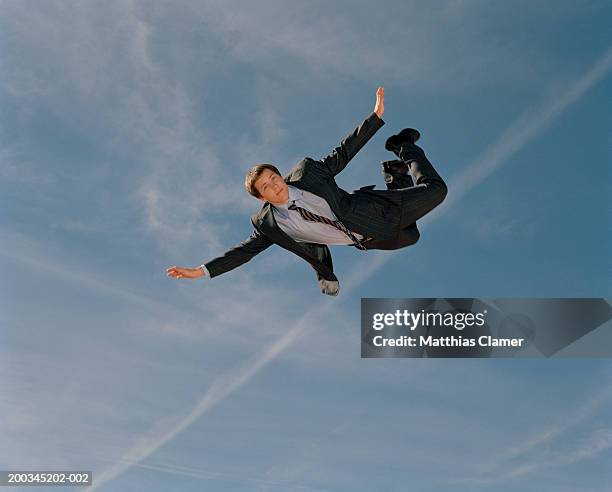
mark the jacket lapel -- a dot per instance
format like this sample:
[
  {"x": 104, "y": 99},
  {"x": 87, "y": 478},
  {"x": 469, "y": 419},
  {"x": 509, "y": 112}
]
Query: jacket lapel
[
  {"x": 312, "y": 187},
  {"x": 265, "y": 222}
]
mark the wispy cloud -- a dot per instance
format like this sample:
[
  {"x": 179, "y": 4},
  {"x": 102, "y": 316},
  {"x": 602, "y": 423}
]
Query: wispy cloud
[
  {"x": 77, "y": 275},
  {"x": 237, "y": 476},
  {"x": 528, "y": 126},
  {"x": 539, "y": 439},
  {"x": 15, "y": 168},
  {"x": 536, "y": 453},
  {"x": 225, "y": 312},
  {"x": 109, "y": 74},
  {"x": 114, "y": 88},
  {"x": 493, "y": 225},
  {"x": 594, "y": 444},
  {"x": 219, "y": 390},
  {"x": 369, "y": 42},
  {"x": 257, "y": 483}
]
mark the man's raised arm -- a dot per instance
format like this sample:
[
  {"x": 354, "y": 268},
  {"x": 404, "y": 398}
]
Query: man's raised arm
[
  {"x": 352, "y": 143},
  {"x": 233, "y": 258}
]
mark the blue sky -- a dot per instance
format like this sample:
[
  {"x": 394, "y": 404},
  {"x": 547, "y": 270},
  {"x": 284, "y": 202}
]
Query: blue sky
[{"x": 127, "y": 130}]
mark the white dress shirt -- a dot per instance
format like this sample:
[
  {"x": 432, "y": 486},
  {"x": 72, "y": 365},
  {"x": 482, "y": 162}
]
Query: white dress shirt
[{"x": 301, "y": 230}]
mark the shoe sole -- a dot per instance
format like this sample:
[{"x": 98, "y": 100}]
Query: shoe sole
[{"x": 409, "y": 134}]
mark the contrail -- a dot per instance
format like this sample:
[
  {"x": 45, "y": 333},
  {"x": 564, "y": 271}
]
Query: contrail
[
  {"x": 599, "y": 441},
  {"x": 88, "y": 280},
  {"x": 503, "y": 467},
  {"x": 528, "y": 126},
  {"x": 541, "y": 438}
]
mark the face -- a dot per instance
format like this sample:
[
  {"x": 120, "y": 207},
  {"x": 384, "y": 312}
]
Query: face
[{"x": 272, "y": 188}]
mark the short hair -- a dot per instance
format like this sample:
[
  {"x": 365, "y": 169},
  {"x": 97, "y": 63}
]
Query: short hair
[{"x": 253, "y": 174}]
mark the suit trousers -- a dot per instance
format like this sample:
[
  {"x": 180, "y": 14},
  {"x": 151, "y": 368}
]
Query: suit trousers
[
  {"x": 429, "y": 191},
  {"x": 416, "y": 199}
]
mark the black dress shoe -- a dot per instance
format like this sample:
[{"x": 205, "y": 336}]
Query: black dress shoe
[{"x": 409, "y": 135}]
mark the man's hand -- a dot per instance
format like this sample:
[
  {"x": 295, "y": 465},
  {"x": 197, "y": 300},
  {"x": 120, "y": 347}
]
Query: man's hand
[
  {"x": 179, "y": 272},
  {"x": 379, "y": 108}
]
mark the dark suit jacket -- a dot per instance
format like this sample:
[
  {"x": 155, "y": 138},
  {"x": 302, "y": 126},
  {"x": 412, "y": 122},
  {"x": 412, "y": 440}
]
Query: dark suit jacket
[{"x": 373, "y": 213}]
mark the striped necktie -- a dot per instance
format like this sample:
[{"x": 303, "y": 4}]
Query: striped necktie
[{"x": 306, "y": 215}]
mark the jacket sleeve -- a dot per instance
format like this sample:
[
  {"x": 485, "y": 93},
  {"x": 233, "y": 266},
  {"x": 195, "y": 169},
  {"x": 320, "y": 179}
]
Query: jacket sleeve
[
  {"x": 328, "y": 283},
  {"x": 350, "y": 145},
  {"x": 238, "y": 255}
]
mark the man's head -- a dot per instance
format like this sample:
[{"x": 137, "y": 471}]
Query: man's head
[{"x": 265, "y": 182}]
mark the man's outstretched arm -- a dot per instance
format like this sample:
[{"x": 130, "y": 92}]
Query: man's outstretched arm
[
  {"x": 341, "y": 155},
  {"x": 233, "y": 258}
]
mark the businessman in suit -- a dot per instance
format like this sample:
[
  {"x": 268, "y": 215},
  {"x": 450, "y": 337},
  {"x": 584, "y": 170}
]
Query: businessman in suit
[{"x": 305, "y": 211}]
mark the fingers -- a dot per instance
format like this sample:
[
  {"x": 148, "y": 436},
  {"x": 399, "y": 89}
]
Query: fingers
[
  {"x": 174, "y": 272},
  {"x": 379, "y": 107}
]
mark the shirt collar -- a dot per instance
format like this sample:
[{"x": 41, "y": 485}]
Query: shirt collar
[{"x": 294, "y": 193}]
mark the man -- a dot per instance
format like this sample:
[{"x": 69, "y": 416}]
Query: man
[{"x": 306, "y": 211}]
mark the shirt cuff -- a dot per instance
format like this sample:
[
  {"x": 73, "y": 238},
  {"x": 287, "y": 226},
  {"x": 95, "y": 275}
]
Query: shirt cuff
[
  {"x": 205, "y": 270},
  {"x": 375, "y": 116}
]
